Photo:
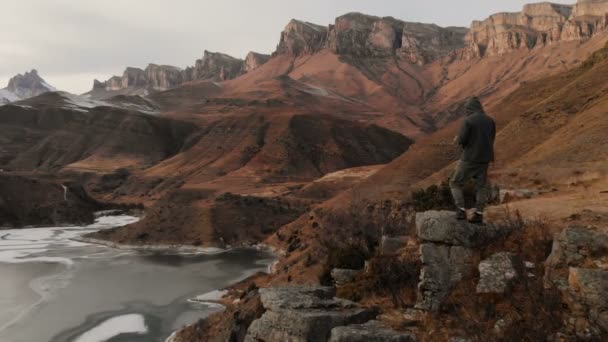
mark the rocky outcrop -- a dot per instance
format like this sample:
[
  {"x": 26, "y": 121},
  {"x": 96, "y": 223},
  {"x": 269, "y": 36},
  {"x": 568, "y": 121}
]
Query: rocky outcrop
[
  {"x": 255, "y": 60},
  {"x": 301, "y": 38},
  {"x": 24, "y": 86},
  {"x": 212, "y": 66},
  {"x": 372, "y": 331},
  {"x": 443, "y": 227},
  {"x": 153, "y": 78},
  {"x": 301, "y": 314},
  {"x": 449, "y": 252},
  {"x": 215, "y": 66},
  {"x": 498, "y": 273},
  {"x": 578, "y": 268},
  {"x": 443, "y": 268},
  {"x": 361, "y": 35},
  {"x": 163, "y": 77},
  {"x": 537, "y": 25}
]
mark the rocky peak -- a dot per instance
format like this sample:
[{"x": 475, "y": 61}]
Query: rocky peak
[
  {"x": 24, "y": 86},
  {"x": 301, "y": 38},
  {"x": 255, "y": 60},
  {"x": 216, "y": 66},
  {"x": 28, "y": 85},
  {"x": 163, "y": 77},
  {"x": 134, "y": 78},
  {"x": 537, "y": 25}
]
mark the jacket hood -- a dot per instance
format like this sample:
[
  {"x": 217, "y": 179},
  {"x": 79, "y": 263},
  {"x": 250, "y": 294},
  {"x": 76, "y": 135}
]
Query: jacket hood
[{"x": 473, "y": 105}]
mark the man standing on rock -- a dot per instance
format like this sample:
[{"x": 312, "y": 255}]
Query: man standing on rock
[{"x": 476, "y": 137}]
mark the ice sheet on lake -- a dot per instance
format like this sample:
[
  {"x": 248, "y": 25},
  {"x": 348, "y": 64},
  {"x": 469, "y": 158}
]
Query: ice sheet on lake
[
  {"x": 27, "y": 245},
  {"x": 126, "y": 324}
]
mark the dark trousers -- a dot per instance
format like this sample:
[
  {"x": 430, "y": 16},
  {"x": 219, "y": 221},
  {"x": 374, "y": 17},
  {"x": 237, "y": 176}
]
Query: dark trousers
[{"x": 464, "y": 172}]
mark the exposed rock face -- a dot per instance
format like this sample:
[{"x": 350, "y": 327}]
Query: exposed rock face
[
  {"x": 154, "y": 77},
  {"x": 535, "y": 26},
  {"x": 216, "y": 66},
  {"x": 213, "y": 66},
  {"x": 447, "y": 254},
  {"x": 301, "y": 38},
  {"x": 578, "y": 267},
  {"x": 372, "y": 331},
  {"x": 443, "y": 268},
  {"x": 24, "y": 86},
  {"x": 497, "y": 273},
  {"x": 301, "y": 314},
  {"x": 163, "y": 77},
  {"x": 360, "y": 35},
  {"x": 443, "y": 227},
  {"x": 255, "y": 60}
]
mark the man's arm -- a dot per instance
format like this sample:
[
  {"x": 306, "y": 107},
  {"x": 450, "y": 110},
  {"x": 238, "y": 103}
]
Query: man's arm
[{"x": 463, "y": 135}]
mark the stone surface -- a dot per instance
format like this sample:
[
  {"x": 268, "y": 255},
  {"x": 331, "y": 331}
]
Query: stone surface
[
  {"x": 577, "y": 267},
  {"x": 344, "y": 276},
  {"x": 392, "y": 245},
  {"x": 304, "y": 314},
  {"x": 443, "y": 268},
  {"x": 443, "y": 227},
  {"x": 497, "y": 273},
  {"x": 372, "y": 331}
]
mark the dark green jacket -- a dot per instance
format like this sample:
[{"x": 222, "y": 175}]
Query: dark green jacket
[{"x": 476, "y": 137}]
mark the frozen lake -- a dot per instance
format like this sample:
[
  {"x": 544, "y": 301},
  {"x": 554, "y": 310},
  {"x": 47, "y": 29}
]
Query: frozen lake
[{"x": 56, "y": 289}]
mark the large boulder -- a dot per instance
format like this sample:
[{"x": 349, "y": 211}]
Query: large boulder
[
  {"x": 498, "y": 273},
  {"x": 443, "y": 227},
  {"x": 578, "y": 267},
  {"x": 301, "y": 314},
  {"x": 372, "y": 331},
  {"x": 443, "y": 268},
  {"x": 448, "y": 253}
]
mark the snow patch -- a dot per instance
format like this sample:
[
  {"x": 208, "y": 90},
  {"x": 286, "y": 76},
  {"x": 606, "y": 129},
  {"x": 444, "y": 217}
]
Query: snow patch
[
  {"x": 212, "y": 296},
  {"x": 125, "y": 324}
]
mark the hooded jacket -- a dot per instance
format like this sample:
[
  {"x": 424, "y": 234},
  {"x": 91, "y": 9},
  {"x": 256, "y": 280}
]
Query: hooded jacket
[{"x": 477, "y": 134}]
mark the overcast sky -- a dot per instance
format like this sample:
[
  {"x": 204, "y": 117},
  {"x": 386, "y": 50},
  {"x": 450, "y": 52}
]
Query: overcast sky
[{"x": 72, "y": 42}]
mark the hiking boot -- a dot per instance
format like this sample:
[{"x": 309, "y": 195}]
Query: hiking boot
[
  {"x": 461, "y": 214},
  {"x": 477, "y": 218}
]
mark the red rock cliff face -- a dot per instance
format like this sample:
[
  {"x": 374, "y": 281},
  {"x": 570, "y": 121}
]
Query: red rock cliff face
[
  {"x": 360, "y": 35},
  {"x": 537, "y": 25}
]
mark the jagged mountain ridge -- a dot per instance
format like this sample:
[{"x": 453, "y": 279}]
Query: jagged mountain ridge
[
  {"x": 212, "y": 66},
  {"x": 24, "y": 86}
]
